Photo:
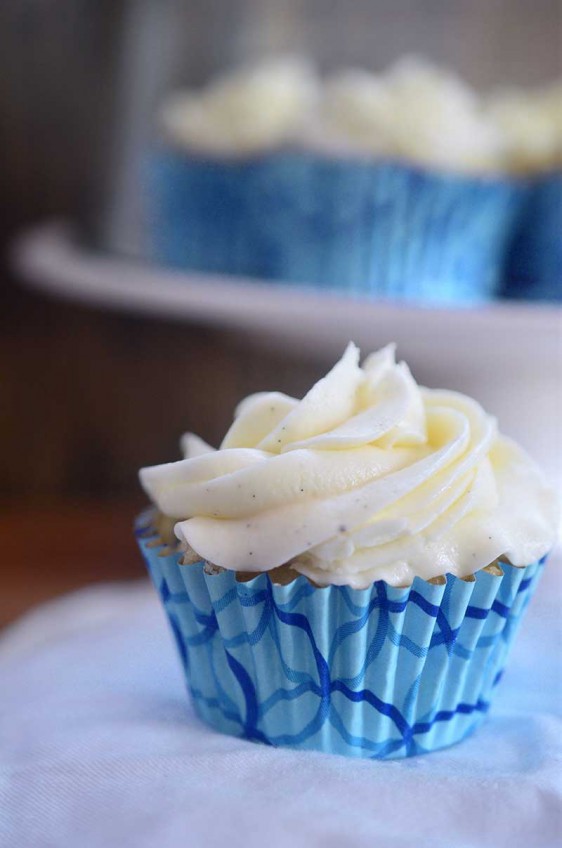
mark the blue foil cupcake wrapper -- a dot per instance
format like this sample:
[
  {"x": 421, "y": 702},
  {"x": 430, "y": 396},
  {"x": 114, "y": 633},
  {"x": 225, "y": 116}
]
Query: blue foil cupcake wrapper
[
  {"x": 382, "y": 672},
  {"x": 385, "y": 229},
  {"x": 534, "y": 268}
]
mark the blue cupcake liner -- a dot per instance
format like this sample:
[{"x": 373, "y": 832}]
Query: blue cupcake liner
[
  {"x": 534, "y": 266},
  {"x": 382, "y": 672},
  {"x": 367, "y": 228}
]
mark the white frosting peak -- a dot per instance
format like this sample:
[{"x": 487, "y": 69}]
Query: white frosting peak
[
  {"x": 415, "y": 111},
  {"x": 356, "y": 114},
  {"x": 368, "y": 477},
  {"x": 247, "y": 111}
]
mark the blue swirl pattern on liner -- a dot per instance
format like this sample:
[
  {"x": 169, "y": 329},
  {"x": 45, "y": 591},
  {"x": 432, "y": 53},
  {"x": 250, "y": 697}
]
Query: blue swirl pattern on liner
[
  {"x": 534, "y": 268},
  {"x": 382, "y": 672},
  {"x": 383, "y": 229}
]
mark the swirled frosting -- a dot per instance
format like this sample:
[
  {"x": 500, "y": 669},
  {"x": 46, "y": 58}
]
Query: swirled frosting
[
  {"x": 250, "y": 110},
  {"x": 367, "y": 477}
]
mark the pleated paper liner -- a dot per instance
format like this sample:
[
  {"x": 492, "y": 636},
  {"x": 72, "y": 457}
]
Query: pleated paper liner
[
  {"x": 382, "y": 672},
  {"x": 379, "y": 228}
]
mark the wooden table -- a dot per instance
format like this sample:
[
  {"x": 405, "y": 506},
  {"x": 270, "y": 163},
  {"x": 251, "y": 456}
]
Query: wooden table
[{"x": 47, "y": 550}]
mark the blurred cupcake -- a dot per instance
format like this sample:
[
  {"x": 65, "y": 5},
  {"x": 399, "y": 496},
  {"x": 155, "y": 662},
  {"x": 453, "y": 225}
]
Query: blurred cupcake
[
  {"x": 352, "y": 567},
  {"x": 441, "y": 213},
  {"x": 532, "y": 126},
  {"x": 214, "y": 175}
]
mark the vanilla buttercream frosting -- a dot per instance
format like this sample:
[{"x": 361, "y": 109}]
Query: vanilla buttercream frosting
[
  {"x": 246, "y": 111},
  {"x": 368, "y": 477},
  {"x": 415, "y": 111}
]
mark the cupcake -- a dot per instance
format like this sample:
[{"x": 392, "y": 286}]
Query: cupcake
[
  {"x": 441, "y": 209},
  {"x": 532, "y": 127},
  {"x": 223, "y": 155},
  {"x": 347, "y": 572}
]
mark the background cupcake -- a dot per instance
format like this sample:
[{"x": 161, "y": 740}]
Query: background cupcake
[
  {"x": 441, "y": 212},
  {"x": 221, "y": 151},
  {"x": 353, "y": 566}
]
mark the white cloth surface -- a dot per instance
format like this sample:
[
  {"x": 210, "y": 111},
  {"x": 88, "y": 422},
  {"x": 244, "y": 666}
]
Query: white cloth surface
[{"x": 99, "y": 746}]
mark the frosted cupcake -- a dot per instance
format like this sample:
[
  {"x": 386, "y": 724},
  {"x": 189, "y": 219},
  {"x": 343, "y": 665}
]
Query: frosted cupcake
[
  {"x": 532, "y": 126},
  {"x": 440, "y": 208},
  {"x": 347, "y": 572},
  {"x": 223, "y": 165}
]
